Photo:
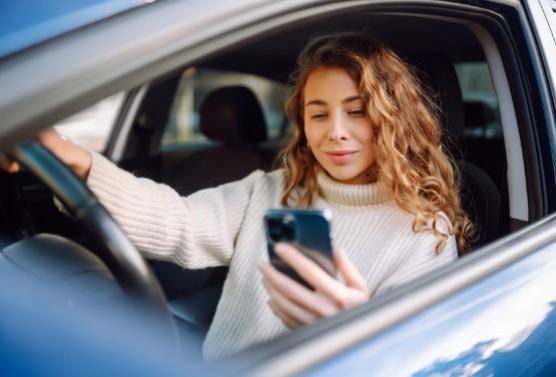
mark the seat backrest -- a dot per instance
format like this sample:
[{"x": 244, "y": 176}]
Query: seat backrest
[
  {"x": 479, "y": 194},
  {"x": 233, "y": 118},
  {"x": 232, "y": 114}
]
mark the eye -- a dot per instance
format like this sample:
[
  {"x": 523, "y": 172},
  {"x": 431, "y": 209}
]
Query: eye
[
  {"x": 318, "y": 116},
  {"x": 357, "y": 112}
]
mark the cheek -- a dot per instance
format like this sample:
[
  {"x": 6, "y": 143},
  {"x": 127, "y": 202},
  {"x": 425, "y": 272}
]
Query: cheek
[
  {"x": 364, "y": 133},
  {"x": 312, "y": 135}
]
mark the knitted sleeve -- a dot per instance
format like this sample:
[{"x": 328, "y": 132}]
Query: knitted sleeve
[
  {"x": 419, "y": 260},
  {"x": 196, "y": 231}
]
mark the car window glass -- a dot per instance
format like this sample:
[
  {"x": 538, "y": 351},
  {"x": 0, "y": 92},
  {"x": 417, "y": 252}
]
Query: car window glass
[
  {"x": 482, "y": 118},
  {"x": 483, "y": 139},
  {"x": 91, "y": 127},
  {"x": 183, "y": 125}
]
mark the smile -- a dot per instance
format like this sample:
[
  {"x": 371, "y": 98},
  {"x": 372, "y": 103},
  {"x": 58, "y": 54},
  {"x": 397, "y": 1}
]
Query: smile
[{"x": 340, "y": 157}]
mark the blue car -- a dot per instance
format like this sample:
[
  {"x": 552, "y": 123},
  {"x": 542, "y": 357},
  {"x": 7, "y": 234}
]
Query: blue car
[{"x": 78, "y": 299}]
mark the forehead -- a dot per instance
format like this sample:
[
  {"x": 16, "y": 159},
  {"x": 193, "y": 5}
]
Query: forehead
[{"x": 329, "y": 84}]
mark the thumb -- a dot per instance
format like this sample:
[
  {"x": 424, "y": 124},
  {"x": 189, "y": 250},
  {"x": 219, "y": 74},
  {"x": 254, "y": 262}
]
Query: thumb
[{"x": 348, "y": 270}]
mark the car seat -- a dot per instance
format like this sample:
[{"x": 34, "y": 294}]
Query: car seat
[
  {"x": 479, "y": 194},
  {"x": 233, "y": 119}
]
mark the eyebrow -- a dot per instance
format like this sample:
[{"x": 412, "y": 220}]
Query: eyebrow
[{"x": 319, "y": 102}]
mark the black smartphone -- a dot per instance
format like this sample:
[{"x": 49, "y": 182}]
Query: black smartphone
[{"x": 306, "y": 229}]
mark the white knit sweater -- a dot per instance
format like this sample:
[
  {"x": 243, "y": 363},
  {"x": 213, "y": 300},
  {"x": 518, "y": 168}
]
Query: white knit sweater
[{"x": 224, "y": 226}]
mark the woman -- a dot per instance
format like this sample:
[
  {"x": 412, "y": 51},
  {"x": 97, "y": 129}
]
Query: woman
[
  {"x": 366, "y": 136},
  {"x": 366, "y": 147}
]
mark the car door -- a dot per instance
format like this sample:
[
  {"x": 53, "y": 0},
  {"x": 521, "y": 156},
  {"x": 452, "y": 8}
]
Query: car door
[{"x": 501, "y": 324}]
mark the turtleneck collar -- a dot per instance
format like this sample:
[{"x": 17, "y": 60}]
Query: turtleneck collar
[{"x": 352, "y": 194}]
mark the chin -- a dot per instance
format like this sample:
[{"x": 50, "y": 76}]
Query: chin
[{"x": 342, "y": 176}]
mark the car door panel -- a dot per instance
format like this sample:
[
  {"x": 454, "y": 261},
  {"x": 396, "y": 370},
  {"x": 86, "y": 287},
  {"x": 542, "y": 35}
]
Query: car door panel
[{"x": 504, "y": 324}]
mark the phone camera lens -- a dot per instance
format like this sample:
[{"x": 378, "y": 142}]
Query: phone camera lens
[
  {"x": 287, "y": 232},
  {"x": 281, "y": 230}
]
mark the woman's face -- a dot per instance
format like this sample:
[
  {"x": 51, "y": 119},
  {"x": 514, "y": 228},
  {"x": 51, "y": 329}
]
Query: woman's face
[{"x": 338, "y": 129}]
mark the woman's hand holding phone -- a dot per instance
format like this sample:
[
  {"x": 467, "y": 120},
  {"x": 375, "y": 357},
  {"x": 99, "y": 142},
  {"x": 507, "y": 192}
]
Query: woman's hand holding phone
[{"x": 298, "y": 305}]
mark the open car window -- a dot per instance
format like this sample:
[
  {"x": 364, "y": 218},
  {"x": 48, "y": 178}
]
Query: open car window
[
  {"x": 183, "y": 122},
  {"x": 91, "y": 128},
  {"x": 480, "y": 101}
]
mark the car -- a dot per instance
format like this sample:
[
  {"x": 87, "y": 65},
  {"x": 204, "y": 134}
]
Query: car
[{"x": 490, "y": 64}]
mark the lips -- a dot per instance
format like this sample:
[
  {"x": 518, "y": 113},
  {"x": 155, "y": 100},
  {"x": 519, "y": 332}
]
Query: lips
[{"x": 340, "y": 157}]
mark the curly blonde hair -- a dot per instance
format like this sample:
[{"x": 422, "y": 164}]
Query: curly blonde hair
[{"x": 409, "y": 156}]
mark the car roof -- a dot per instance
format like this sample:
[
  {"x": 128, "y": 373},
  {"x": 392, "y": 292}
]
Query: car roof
[
  {"x": 62, "y": 75},
  {"x": 280, "y": 50},
  {"x": 26, "y": 23}
]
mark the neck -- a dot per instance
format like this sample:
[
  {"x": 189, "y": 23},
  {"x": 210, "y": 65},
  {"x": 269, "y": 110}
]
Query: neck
[
  {"x": 368, "y": 176},
  {"x": 356, "y": 194}
]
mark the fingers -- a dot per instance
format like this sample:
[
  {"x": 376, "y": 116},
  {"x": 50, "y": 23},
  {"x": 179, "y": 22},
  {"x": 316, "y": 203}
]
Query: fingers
[
  {"x": 76, "y": 157},
  {"x": 49, "y": 138},
  {"x": 348, "y": 270},
  {"x": 295, "y": 304},
  {"x": 310, "y": 271},
  {"x": 288, "y": 307},
  {"x": 290, "y": 322},
  {"x": 8, "y": 165},
  {"x": 57, "y": 144},
  {"x": 311, "y": 301}
]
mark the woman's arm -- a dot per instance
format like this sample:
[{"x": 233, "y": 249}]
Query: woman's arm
[
  {"x": 421, "y": 260},
  {"x": 196, "y": 231}
]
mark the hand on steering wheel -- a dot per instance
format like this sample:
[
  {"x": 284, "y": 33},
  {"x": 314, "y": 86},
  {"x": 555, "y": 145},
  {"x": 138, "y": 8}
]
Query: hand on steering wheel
[{"x": 122, "y": 257}]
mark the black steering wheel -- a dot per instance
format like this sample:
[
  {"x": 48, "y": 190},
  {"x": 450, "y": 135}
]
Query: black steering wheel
[{"x": 122, "y": 258}]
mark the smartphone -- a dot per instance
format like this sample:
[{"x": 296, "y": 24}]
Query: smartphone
[{"x": 308, "y": 230}]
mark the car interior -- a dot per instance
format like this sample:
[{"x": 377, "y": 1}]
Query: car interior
[{"x": 221, "y": 118}]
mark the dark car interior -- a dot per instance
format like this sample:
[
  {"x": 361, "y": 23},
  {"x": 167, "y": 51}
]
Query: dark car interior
[
  {"x": 240, "y": 143},
  {"x": 231, "y": 119}
]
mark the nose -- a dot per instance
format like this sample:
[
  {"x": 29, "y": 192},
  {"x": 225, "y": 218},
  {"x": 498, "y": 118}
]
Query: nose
[{"x": 337, "y": 127}]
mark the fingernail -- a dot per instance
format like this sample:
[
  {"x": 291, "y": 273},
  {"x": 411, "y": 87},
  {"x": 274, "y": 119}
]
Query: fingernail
[{"x": 279, "y": 247}]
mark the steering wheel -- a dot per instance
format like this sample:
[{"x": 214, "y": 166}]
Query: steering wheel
[{"x": 122, "y": 258}]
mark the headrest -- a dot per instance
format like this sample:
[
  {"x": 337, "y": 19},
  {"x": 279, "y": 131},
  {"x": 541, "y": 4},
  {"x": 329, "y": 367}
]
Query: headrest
[
  {"x": 438, "y": 73},
  {"x": 233, "y": 114},
  {"x": 478, "y": 114}
]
